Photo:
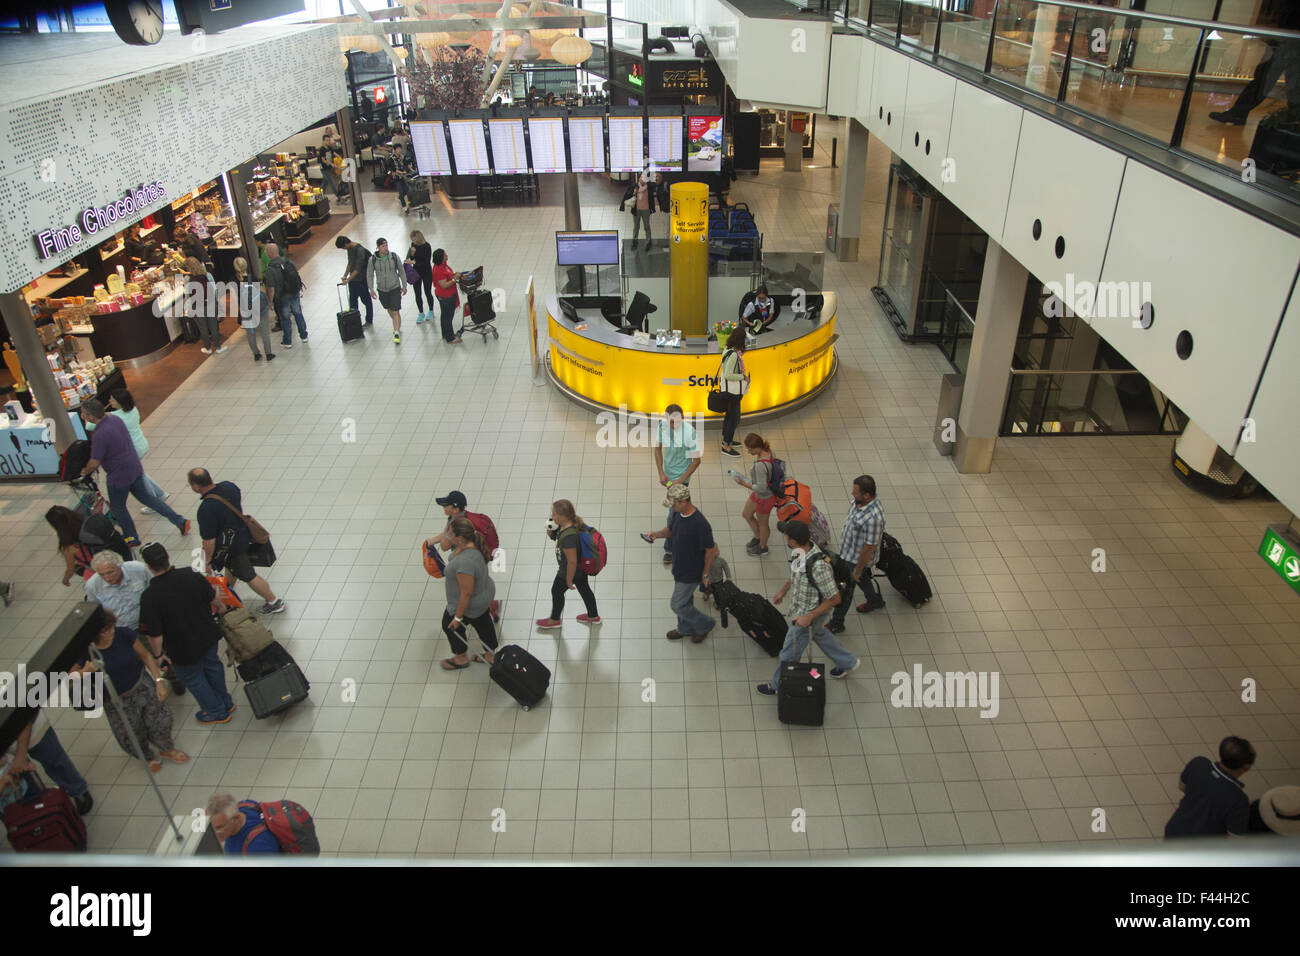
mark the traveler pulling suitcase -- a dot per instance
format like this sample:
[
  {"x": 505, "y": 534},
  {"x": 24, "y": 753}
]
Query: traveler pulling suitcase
[
  {"x": 801, "y": 695},
  {"x": 273, "y": 681},
  {"x": 44, "y": 821},
  {"x": 349, "y": 322},
  {"x": 520, "y": 675}
]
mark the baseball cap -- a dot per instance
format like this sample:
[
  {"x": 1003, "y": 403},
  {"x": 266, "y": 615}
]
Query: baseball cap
[
  {"x": 455, "y": 498},
  {"x": 677, "y": 493},
  {"x": 795, "y": 529}
]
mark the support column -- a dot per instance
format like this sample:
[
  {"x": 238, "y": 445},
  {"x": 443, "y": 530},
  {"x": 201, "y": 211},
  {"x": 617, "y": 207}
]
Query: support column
[
  {"x": 997, "y": 324},
  {"x": 572, "y": 209},
  {"x": 853, "y": 182},
  {"x": 793, "y": 146},
  {"x": 688, "y": 258},
  {"x": 18, "y": 319},
  {"x": 244, "y": 219},
  {"x": 343, "y": 119}
]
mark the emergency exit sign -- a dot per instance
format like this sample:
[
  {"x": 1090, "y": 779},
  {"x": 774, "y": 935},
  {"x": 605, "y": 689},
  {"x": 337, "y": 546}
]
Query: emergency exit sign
[{"x": 1281, "y": 550}]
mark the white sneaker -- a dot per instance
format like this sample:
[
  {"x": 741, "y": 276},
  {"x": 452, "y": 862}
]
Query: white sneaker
[
  {"x": 206, "y": 351},
  {"x": 222, "y": 349},
  {"x": 146, "y": 511}
]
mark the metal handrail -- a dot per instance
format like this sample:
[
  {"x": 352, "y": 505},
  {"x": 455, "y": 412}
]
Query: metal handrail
[
  {"x": 1258, "y": 31},
  {"x": 1075, "y": 371}
]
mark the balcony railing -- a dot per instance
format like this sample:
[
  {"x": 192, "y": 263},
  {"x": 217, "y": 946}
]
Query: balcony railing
[{"x": 1225, "y": 94}]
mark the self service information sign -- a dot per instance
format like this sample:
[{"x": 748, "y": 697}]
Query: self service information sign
[{"x": 1281, "y": 550}]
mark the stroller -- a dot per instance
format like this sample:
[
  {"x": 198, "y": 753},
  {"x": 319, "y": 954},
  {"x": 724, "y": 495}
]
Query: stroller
[
  {"x": 71, "y": 462},
  {"x": 478, "y": 313}
]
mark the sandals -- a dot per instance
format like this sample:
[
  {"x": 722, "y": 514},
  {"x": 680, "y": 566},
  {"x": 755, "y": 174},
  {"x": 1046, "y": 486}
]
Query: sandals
[
  {"x": 448, "y": 664},
  {"x": 176, "y": 756},
  {"x": 480, "y": 659}
]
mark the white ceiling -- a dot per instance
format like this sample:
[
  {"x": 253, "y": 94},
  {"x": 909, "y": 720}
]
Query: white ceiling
[{"x": 41, "y": 66}]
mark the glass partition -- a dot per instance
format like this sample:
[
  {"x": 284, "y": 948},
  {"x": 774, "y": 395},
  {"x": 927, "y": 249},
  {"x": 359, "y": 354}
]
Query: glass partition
[
  {"x": 919, "y": 23},
  {"x": 1088, "y": 403},
  {"x": 965, "y": 37},
  {"x": 785, "y": 272}
]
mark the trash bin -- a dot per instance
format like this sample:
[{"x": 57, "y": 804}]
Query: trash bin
[{"x": 945, "y": 420}]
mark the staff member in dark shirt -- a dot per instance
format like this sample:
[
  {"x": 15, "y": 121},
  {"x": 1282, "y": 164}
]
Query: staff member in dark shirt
[
  {"x": 220, "y": 517},
  {"x": 1214, "y": 801},
  {"x": 760, "y": 311},
  {"x": 176, "y": 616}
]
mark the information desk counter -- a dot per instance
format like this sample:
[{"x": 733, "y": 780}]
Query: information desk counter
[{"x": 600, "y": 367}]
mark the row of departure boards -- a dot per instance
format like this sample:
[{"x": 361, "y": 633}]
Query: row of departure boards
[{"x": 462, "y": 145}]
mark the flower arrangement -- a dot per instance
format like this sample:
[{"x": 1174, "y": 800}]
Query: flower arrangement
[{"x": 723, "y": 329}]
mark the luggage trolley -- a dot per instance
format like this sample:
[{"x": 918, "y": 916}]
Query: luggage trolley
[
  {"x": 418, "y": 197},
  {"x": 478, "y": 313}
]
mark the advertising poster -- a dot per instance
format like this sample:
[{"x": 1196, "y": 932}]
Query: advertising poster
[
  {"x": 704, "y": 143},
  {"x": 529, "y": 296}
]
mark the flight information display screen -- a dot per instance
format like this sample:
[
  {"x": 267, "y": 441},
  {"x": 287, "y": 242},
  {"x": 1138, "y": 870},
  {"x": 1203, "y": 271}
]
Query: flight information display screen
[
  {"x": 626, "y": 144},
  {"x": 666, "y": 143},
  {"x": 546, "y": 136},
  {"x": 587, "y": 143},
  {"x": 429, "y": 140},
  {"x": 508, "y": 153},
  {"x": 469, "y": 147}
]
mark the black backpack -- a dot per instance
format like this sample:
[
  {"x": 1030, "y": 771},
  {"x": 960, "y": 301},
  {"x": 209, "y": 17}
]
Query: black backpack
[
  {"x": 98, "y": 533},
  {"x": 290, "y": 281}
]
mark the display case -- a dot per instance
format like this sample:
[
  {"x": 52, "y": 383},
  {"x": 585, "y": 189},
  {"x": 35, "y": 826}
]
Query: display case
[{"x": 772, "y": 130}]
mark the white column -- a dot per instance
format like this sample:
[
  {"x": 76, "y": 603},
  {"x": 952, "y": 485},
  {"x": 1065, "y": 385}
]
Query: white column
[
  {"x": 853, "y": 182},
  {"x": 997, "y": 324}
]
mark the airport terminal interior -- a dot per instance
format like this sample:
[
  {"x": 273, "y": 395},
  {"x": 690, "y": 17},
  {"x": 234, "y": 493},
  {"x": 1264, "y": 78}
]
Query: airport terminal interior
[{"x": 1111, "y": 676}]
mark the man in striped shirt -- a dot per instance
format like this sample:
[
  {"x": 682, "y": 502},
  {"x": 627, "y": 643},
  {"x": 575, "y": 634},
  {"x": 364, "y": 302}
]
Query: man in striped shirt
[{"x": 860, "y": 545}]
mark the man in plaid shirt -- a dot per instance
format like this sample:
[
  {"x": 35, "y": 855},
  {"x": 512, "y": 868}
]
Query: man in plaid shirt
[
  {"x": 860, "y": 545},
  {"x": 814, "y": 594}
]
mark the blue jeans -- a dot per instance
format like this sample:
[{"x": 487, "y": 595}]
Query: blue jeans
[
  {"x": 206, "y": 680},
  {"x": 289, "y": 308},
  {"x": 796, "y": 642},
  {"x": 690, "y": 619},
  {"x": 58, "y": 765},
  {"x": 357, "y": 292},
  {"x": 155, "y": 489},
  {"x": 140, "y": 490},
  {"x": 331, "y": 182}
]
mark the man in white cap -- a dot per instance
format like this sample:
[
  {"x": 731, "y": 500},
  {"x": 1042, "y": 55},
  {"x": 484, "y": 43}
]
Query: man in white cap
[{"x": 1277, "y": 812}]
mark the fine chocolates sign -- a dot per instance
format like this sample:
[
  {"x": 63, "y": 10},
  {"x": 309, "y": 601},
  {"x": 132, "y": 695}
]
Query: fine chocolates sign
[{"x": 97, "y": 218}]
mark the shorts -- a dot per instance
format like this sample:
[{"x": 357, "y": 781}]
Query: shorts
[
  {"x": 241, "y": 567},
  {"x": 762, "y": 506},
  {"x": 391, "y": 300}
]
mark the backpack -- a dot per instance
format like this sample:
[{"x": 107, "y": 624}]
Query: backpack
[
  {"x": 794, "y": 502},
  {"x": 257, "y": 305},
  {"x": 778, "y": 472},
  {"x": 484, "y": 526},
  {"x": 290, "y": 281},
  {"x": 98, "y": 533},
  {"x": 820, "y": 529},
  {"x": 840, "y": 570},
  {"x": 592, "y": 552},
  {"x": 245, "y": 635},
  {"x": 74, "y": 458},
  {"x": 290, "y": 824},
  {"x": 433, "y": 562}
]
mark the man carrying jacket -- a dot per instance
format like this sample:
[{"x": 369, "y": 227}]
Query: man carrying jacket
[{"x": 386, "y": 274}]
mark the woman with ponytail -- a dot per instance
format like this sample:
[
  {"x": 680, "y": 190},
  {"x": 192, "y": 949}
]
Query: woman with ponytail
[
  {"x": 565, "y": 529},
  {"x": 762, "y": 493},
  {"x": 469, "y": 595}
]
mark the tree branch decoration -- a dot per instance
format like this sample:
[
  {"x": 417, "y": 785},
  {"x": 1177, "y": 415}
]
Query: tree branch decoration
[{"x": 452, "y": 79}]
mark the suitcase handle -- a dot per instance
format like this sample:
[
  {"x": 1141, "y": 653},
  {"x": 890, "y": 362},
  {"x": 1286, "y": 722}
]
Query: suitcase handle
[{"x": 339, "y": 292}]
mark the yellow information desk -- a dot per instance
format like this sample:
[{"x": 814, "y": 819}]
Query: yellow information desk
[{"x": 600, "y": 367}]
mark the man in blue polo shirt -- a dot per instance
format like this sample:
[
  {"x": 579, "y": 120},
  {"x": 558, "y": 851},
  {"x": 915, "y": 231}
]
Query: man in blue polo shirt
[
  {"x": 1214, "y": 801},
  {"x": 677, "y": 456},
  {"x": 234, "y": 824},
  {"x": 111, "y": 447}
]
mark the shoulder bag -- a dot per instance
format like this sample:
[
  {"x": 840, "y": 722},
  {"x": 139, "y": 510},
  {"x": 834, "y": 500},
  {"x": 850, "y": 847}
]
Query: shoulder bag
[{"x": 260, "y": 552}]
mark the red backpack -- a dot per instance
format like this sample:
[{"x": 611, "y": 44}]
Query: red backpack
[
  {"x": 592, "y": 552},
  {"x": 290, "y": 824},
  {"x": 484, "y": 526}
]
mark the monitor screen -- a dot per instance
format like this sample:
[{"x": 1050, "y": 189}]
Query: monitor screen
[
  {"x": 508, "y": 154},
  {"x": 594, "y": 248},
  {"x": 469, "y": 147},
  {"x": 429, "y": 140},
  {"x": 626, "y": 146},
  {"x": 546, "y": 136},
  {"x": 666, "y": 143},
  {"x": 587, "y": 142},
  {"x": 704, "y": 143}
]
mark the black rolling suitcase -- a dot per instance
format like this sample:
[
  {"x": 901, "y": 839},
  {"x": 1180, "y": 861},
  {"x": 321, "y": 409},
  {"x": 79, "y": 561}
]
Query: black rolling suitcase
[
  {"x": 417, "y": 192},
  {"x": 520, "y": 675},
  {"x": 754, "y": 615},
  {"x": 273, "y": 681},
  {"x": 801, "y": 695},
  {"x": 909, "y": 580},
  {"x": 349, "y": 322}
]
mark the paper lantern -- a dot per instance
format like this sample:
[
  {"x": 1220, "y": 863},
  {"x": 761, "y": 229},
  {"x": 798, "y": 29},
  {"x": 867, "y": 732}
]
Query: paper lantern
[
  {"x": 570, "y": 50},
  {"x": 512, "y": 41},
  {"x": 401, "y": 52},
  {"x": 344, "y": 58},
  {"x": 371, "y": 44},
  {"x": 545, "y": 36},
  {"x": 518, "y": 10},
  {"x": 431, "y": 41}
]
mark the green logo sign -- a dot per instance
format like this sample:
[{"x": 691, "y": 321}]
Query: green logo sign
[{"x": 1283, "y": 554}]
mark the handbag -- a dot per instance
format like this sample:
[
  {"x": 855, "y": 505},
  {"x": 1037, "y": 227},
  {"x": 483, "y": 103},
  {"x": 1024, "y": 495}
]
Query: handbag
[
  {"x": 433, "y": 562},
  {"x": 718, "y": 401},
  {"x": 412, "y": 276},
  {"x": 261, "y": 554}
]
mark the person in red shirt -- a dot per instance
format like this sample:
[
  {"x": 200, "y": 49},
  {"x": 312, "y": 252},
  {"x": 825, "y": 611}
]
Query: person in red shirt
[{"x": 444, "y": 287}]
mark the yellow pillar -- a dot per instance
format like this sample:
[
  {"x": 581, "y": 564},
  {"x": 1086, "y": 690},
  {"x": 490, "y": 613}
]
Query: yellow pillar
[{"x": 688, "y": 260}]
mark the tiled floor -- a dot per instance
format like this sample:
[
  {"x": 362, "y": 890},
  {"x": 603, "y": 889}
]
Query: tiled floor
[{"x": 1109, "y": 682}]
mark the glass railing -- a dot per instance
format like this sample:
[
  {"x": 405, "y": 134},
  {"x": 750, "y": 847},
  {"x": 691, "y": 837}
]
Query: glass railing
[
  {"x": 1228, "y": 94},
  {"x": 1088, "y": 402},
  {"x": 786, "y": 272}
]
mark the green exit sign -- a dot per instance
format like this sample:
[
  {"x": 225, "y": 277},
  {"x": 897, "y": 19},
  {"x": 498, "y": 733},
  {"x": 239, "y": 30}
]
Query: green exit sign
[{"x": 1281, "y": 550}]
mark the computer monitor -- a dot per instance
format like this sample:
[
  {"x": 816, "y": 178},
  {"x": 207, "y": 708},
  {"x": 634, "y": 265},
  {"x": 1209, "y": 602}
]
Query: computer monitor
[
  {"x": 569, "y": 311},
  {"x": 591, "y": 248},
  {"x": 638, "y": 311}
]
